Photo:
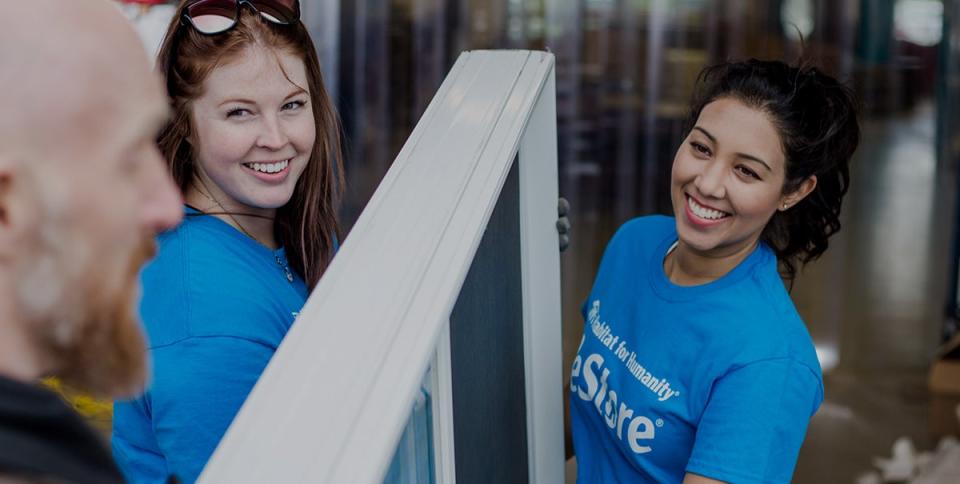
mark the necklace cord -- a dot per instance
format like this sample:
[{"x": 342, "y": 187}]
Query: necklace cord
[
  {"x": 283, "y": 265},
  {"x": 206, "y": 192}
]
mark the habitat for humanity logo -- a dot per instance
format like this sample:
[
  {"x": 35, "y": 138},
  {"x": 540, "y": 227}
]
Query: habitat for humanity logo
[
  {"x": 636, "y": 430},
  {"x": 602, "y": 331}
]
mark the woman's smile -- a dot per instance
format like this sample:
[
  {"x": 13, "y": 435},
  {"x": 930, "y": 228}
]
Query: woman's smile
[
  {"x": 269, "y": 171},
  {"x": 703, "y": 215}
]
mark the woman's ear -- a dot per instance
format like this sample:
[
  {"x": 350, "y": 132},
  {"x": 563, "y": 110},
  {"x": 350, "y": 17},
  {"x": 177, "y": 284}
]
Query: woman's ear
[{"x": 790, "y": 199}]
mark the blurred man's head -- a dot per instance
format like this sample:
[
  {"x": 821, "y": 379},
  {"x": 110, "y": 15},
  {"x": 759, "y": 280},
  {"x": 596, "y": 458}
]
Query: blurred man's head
[{"x": 83, "y": 190}]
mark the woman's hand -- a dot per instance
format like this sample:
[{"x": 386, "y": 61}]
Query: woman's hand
[{"x": 563, "y": 223}]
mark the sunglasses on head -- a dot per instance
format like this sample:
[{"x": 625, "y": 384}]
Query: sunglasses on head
[{"x": 216, "y": 16}]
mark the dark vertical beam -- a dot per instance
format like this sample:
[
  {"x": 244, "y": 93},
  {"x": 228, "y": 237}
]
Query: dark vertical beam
[
  {"x": 948, "y": 148},
  {"x": 429, "y": 48},
  {"x": 486, "y": 348},
  {"x": 628, "y": 120}
]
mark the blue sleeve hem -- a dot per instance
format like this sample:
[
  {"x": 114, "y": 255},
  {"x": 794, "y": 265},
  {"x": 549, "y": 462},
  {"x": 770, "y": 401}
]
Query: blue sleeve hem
[{"x": 725, "y": 475}]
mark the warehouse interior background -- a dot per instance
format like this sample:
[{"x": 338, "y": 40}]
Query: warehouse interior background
[{"x": 881, "y": 302}]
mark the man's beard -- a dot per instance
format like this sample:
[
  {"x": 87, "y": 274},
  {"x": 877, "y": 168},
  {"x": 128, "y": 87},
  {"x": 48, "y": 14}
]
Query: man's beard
[{"x": 85, "y": 318}]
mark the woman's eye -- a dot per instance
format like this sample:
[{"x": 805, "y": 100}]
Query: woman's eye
[
  {"x": 747, "y": 172},
  {"x": 293, "y": 105},
  {"x": 699, "y": 148},
  {"x": 238, "y": 112}
]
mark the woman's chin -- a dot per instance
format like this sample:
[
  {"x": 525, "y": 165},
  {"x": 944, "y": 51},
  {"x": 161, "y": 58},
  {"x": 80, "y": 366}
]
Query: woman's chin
[{"x": 269, "y": 202}]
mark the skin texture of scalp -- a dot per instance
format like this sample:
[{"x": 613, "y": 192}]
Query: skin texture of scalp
[{"x": 50, "y": 80}]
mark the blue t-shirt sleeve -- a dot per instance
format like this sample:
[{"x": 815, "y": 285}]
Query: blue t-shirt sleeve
[
  {"x": 200, "y": 384},
  {"x": 133, "y": 450},
  {"x": 755, "y": 421}
]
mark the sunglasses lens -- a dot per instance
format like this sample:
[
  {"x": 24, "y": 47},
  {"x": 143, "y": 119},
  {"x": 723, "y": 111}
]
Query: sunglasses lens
[
  {"x": 279, "y": 11},
  {"x": 212, "y": 16}
]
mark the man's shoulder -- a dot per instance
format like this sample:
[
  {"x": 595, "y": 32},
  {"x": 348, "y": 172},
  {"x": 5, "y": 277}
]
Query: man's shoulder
[{"x": 41, "y": 436}]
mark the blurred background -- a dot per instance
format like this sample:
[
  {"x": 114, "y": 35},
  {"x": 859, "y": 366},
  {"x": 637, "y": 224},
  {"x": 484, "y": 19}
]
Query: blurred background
[{"x": 880, "y": 302}]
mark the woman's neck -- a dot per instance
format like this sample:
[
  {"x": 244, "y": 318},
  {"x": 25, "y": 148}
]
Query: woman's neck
[
  {"x": 257, "y": 224},
  {"x": 685, "y": 266}
]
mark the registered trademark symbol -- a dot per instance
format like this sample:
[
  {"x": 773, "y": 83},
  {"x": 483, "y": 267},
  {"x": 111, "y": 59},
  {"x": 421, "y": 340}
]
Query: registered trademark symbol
[{"x": 659, "y": 422}]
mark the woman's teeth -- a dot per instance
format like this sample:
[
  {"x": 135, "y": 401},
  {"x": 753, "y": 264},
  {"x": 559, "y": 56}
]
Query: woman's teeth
[
  {"x": 704, "y": 212},
  {"x": 268, "y": 167}
]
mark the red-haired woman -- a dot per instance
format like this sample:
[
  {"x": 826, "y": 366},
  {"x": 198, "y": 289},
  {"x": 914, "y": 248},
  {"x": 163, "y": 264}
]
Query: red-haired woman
[{"x": 253, "y": 143}]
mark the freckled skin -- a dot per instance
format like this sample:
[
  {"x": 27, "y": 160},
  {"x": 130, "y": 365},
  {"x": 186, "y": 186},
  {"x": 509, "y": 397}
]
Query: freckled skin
[{"x": 251, "y": 112}]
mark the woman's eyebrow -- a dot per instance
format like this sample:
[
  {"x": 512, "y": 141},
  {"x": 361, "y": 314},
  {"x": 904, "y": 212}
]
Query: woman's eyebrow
[
  {"x": 237, "y": 100},
  {"x": 296, "y": 92},
  {"x": 698, "y": 128},
  {"x": 740, "y": 155},
  {"x": 240, "y": 100},
  {"x": 754, "y": 158}
]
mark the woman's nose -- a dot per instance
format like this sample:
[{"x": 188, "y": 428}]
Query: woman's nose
[
  {"x": 273, "y": 136},
  {"x": 710, "y": 181}
]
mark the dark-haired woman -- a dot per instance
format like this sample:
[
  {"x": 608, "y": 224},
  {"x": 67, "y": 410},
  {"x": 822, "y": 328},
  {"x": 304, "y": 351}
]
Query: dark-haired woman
[
  {"x": 694, "y": 365},
  {"x": 253, "y": 143}
]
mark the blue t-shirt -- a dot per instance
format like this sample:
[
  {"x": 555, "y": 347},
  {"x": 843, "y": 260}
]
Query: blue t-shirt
[
  {"x": 718, "y": 380},
  {"x": 216, "y": 305}
]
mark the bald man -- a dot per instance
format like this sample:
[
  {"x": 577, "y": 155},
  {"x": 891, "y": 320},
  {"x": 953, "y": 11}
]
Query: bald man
[{"x": 83, "y": 191}]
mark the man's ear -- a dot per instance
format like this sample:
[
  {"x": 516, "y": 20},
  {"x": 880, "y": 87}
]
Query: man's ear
[
  {"x": 790, "y": 199},
  {"x": 13, "y": 209},
  {"x": 7, "y": 167}
]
